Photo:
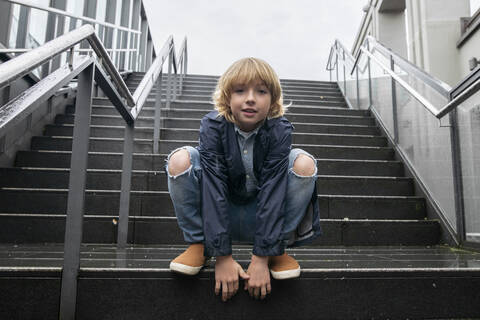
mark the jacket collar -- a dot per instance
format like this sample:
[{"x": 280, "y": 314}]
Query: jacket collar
[{"x": 268, "y": 123}]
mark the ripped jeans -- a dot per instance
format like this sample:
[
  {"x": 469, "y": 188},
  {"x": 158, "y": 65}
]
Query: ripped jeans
[{"x": 184, "y": 191}]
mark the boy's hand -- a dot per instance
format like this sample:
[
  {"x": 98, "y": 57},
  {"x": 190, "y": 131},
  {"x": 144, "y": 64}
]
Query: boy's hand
[
  {"x": 227, "y": 271},
  {"x": 259, "y": 283}
]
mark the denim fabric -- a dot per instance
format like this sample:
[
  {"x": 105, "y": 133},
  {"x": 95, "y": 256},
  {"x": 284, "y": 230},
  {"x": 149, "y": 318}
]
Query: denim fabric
[{"x": 185, "y": 193}]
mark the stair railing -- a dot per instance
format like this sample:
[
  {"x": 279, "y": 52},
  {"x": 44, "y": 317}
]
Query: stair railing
[
  {"x": 397, "y": 93},
  {"x": 87, "y": 70}
]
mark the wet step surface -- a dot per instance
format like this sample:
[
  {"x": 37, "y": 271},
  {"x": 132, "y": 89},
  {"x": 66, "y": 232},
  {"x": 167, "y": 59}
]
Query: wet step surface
[{"x": 327, "y": 259}]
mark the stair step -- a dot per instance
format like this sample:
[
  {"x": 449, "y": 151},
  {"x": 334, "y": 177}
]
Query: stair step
[
  {"x": 428, "y": 282},
  {"x": 148, "y": 121},
  {"x": 193, "y": 134},
  {"x": 318, "y": 98},
  {"x": 105, "y": 105},
  {"x": 211, "y": 87},
  {"x": 99, "y": 160},
  {"x": 43, "y": 228},
  {"x": 158, "y": 203},
  {"x": 157, "y": 181},
  {"x": 200, "y": 112},
  {"x": 166, "y": 146},
  {"x": 208, "y": 104},
  {"x": 208, "y": 91}
]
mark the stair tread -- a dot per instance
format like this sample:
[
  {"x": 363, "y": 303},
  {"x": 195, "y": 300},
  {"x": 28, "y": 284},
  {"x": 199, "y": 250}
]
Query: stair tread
[{"x": 140, "y": 259}]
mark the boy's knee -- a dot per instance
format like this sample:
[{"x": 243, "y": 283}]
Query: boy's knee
[
  {"x": 304, "y": 165},
  {"x": 179, "y": 162}
]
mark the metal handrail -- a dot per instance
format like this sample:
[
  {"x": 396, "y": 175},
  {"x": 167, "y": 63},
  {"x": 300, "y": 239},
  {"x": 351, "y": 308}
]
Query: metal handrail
[
  {"x": 70, "y": 15},
  {"x": 23, "y": 50},
  {"x": 436, "y": 84},
  {"x": 23, "y": 64},
  {"x": 146, "y": 84}
]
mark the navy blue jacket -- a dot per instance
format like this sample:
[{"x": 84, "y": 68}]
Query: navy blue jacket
[{"x": 223, "y": 180}]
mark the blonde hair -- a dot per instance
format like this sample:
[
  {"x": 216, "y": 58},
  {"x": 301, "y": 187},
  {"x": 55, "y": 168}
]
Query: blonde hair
[{"x": 245, "y": 71}]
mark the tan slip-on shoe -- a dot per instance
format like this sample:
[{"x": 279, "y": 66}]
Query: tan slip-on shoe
[
  {"x": 283, "y": 267},
  {"x": 190, "y": 262}
]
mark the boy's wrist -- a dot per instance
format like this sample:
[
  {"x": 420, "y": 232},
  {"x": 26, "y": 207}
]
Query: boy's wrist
[
  {"x": 223, "y": 258},
  {"x": 261, "y": 259}
]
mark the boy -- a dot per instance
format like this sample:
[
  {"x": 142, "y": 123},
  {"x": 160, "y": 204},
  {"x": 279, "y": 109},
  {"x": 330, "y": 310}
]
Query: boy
[{"x": 244, "y": 183}]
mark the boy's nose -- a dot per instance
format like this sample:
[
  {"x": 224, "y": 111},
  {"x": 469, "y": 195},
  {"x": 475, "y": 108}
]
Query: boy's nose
[{"x": 250, "y": 96}]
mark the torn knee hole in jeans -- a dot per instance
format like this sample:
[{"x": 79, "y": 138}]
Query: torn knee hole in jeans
[
  {"x": 188, "y": 170},
  {"x": 314, "y": 164}
]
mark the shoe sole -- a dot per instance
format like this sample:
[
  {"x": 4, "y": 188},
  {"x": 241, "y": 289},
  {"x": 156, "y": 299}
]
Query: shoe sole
[
  {"x": 287, "y": 274},
  {"x": 184, "y": 269}
]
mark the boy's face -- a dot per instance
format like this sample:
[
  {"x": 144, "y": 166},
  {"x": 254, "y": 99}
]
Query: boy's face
[{"x": 250, "y": 104}]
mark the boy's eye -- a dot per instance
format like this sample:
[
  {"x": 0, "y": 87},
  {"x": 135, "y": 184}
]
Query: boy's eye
[
  {"x": 239, "y": 90},
  {"x": 263, "y": 91}
]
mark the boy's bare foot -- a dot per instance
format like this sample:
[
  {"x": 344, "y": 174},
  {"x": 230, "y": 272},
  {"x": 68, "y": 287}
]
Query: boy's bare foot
[
  {"x": 190, "y": 262},
  {"x": 283, "y": 267}
]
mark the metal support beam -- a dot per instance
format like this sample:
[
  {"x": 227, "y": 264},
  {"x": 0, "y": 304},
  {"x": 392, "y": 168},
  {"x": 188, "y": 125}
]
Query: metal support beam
[
  {"x": 76, "y": 194},
  {"x": 54, "y": 23},
  {"x": 6, "y": 11},
  {"x": 22, "y": 31},
  {"x": 127, "y": 162},
  {"x": 143, "y": 45}
]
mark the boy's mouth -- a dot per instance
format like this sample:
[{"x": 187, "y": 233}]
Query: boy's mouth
[{"x": 250, "y": 111}]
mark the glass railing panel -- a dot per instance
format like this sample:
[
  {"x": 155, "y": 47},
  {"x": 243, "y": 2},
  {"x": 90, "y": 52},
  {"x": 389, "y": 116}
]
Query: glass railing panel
[
  {"x": 351, "y": 84},
  {"x": 382, "y": 93},
  {"x": 428, "y": 149},
  {"x": 437, "y": 99},
  {"x": 468, "y": 115},
  {"x": 364, "y": 99}
]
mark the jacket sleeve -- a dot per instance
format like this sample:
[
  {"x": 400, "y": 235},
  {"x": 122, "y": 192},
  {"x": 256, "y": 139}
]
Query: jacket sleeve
[
  {"x": 214, "y": 190},
  {"x": 273, "y": 187}
]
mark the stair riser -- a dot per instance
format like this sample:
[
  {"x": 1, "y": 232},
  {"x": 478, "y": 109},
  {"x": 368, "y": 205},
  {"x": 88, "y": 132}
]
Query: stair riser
[
  {"x": 148, "y": 122},
  {"x": 104, "y": 230},
  {"x": 433, "y": 296},
  {"x": 158, "y": 182},
  {"x": 213, "y": 83},
  {"x": 42, "y": 143},
  {"x": 192, "y": 90},
  {"x": 160, "y": 205},
  {"x": 204, "y": 108},
  {"x": 193, "y": 135},
  {"x": 286, "y": 98},
  {"x": 424, "y": 296},
  {"x": 209, "y": 89},
  {"x": 208, "y": 105},
  {"x": 156, "y": 163}
]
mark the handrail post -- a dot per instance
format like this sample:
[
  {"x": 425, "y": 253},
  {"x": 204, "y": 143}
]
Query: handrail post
[
  {"x": 394, "y": 103},
  {"x": 358, "y": 88},
  {"x": 168, "y": 94},
  {"x": 336, "y": 61},
  {"x": 158, "y": 109},
  {"x": 127, "y": 163},
  {"x": 76, "y": 194},
  {"x": 370, "y": 101},
  {"x": 344, "y": 74}
]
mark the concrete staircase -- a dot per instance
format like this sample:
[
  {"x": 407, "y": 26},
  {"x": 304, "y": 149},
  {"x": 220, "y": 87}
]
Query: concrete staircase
[{"x": 379, "y": 256}]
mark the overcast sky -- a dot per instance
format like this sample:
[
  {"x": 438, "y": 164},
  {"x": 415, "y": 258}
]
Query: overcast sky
[{"x": 293, "y": 36}]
